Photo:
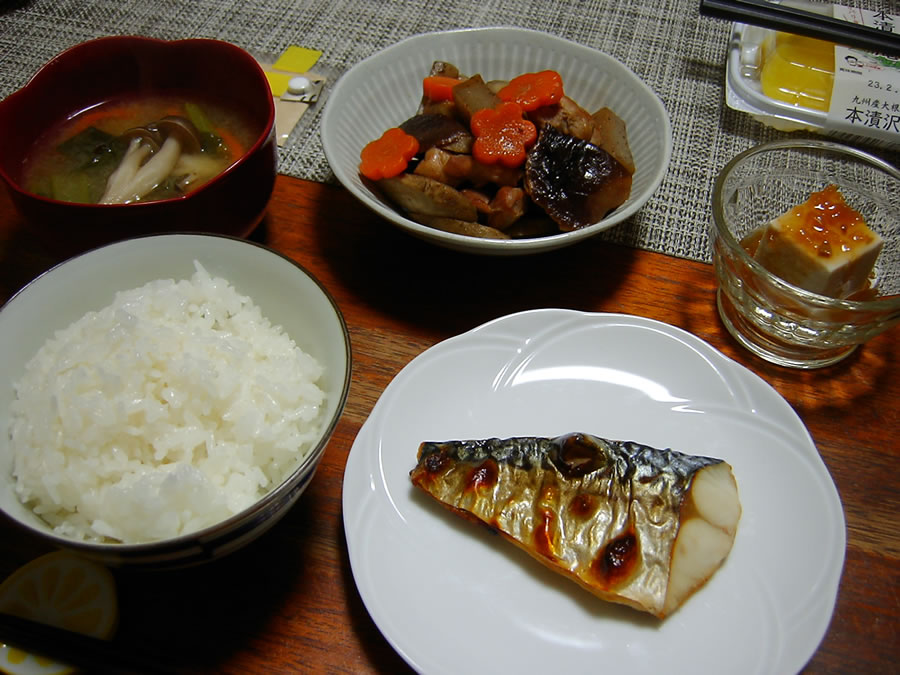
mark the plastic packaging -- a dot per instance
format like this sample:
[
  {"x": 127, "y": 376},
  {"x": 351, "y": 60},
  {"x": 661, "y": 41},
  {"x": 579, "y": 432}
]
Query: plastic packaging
[{"x": 791, "y": 82}]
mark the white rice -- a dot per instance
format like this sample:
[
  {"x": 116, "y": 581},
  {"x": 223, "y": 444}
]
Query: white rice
[{"x": 173, "y": 408}]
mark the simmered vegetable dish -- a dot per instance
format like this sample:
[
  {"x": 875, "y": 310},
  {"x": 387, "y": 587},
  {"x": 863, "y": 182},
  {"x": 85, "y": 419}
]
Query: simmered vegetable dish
[{"x": 502, "y": 159}]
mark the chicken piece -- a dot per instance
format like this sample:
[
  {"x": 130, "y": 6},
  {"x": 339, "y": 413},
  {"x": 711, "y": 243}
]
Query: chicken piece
[
  {"x": 428, "y": 197},
  {"x": 501, "y": 211},
  {"x": 444, "y": 68},
  {"x": 433, "y": 166},
  {"x": 611, "y": 135},
  {"x": 480, "y": 200},
  {"x": 566, "y": 117},
  {"x": 507, "y": 206},
  {"x": 478, "y": 174}
]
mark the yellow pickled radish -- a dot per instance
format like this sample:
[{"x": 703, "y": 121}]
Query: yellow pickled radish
[{"x": 59, "y": 589}]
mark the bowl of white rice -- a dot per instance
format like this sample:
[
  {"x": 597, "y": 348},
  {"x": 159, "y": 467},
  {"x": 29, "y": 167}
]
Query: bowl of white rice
[{"x": 166, "y": 399}]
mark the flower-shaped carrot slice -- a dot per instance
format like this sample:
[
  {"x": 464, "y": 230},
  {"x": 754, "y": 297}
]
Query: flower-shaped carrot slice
[
  {"x": 502, "y": 135},
  {"x": 389, "y": 155},
  {"x": 533, "y": 90},
  {"x": 439, "y": 87}
]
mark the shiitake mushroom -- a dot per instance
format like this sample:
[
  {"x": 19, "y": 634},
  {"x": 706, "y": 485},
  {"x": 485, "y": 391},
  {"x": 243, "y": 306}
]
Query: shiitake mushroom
[
  {"x": 576, "y": 182},
  {"x": 434, "y": 130}
]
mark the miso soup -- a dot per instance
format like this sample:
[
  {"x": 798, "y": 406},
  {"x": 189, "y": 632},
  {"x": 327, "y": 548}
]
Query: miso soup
[{"x": 135, "y": 150}]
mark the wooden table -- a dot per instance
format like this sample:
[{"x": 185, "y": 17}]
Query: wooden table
[{"x": 288, "y": 603}]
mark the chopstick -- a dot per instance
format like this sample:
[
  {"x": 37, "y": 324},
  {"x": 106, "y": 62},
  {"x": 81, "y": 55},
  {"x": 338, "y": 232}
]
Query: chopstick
[
  {"x": 90, "y": 654},
  {"x": 801, "y": 22}
]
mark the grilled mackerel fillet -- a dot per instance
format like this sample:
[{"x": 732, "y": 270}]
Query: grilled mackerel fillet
[{"x": 632, "y": 524}]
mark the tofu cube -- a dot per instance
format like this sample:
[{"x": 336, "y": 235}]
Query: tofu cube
[{"x": 822, "y": 245}]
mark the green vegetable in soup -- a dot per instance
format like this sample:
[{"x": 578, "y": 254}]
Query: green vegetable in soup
[
  {"x": 213, "y": 144},
  {"x": 71, "y": 187},
  {"x": 210, "y": 141},
  {"x": 87, "y": 159},
  {"x": 199, "y": 119},
  {"x": 92, "y": 146}
]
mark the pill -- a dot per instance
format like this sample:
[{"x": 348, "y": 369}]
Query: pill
[{"x": 298, "y": 85}]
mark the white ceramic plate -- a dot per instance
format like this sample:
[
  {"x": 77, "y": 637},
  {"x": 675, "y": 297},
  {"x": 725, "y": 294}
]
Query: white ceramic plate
[
  {"x": 385, "y": 89},
  {"x": 451, "y": 597}
]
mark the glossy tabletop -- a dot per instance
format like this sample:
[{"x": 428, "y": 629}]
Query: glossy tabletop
[{"x": 288, "y": 602}]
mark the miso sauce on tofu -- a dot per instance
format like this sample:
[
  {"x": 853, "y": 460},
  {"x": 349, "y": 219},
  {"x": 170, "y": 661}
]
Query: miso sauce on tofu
[{"x": 822, "y": 245}]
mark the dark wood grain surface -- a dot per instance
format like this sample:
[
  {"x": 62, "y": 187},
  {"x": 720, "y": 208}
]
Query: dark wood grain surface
[{"x": 288, "y": 602}]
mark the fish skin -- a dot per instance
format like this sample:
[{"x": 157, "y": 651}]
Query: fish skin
[{"x": 604, "y": 513}]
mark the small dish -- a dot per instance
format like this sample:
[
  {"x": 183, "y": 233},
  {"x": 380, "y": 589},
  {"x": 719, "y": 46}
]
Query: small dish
[
  {"x": 774, "y": 319},
  {"x": 385, "y": 89}
]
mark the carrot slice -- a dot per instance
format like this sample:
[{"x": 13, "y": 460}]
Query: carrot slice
[
  {"x": 439, "y": 87},
  {"x": 534, "y": 90},
  {"x": 502, "y": 135},
  {"x": 389, "y": 155}
]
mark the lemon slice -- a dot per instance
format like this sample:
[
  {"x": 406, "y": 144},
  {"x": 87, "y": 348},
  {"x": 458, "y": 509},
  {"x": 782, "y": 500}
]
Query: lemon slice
[{"x": 59, "y": 589}]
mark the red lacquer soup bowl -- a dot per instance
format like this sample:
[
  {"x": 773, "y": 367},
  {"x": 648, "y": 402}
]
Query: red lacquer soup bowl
[{"x": 94, "y": 75}]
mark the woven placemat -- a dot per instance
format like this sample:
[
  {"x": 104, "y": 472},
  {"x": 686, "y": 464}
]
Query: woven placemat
[{"x": 678, "y": 53}]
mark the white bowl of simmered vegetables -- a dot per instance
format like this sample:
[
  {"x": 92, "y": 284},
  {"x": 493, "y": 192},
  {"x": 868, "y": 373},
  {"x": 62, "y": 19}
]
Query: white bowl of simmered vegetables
[{"x": 497, "y": 141}]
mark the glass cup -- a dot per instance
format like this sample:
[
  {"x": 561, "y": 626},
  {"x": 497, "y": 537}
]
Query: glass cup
[{"x": 774, "y": 319}]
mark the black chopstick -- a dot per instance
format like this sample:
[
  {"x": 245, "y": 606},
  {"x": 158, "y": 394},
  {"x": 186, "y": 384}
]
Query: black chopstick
[
  {"x": 801, "y": 22},
  {"x": 90, "y": 654}
]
